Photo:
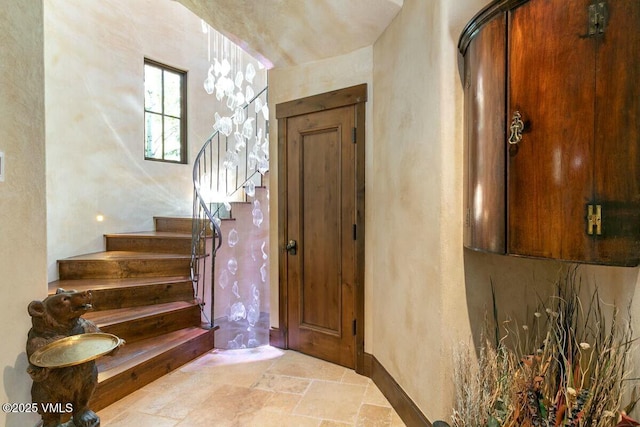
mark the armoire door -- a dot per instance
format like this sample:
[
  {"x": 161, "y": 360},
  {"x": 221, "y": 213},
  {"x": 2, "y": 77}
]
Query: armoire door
[
  {"x": 551, "y": 75},
  {"x": 570, "y": 128},
  {"x": 617, "y": 134},
  {"x": 485, "y": 80}
]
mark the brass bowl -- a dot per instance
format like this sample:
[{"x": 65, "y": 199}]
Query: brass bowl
[{"x": 74, "y": 350}]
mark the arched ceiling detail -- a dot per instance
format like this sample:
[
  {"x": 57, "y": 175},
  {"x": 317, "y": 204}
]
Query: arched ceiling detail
[{"x": 283, "y": 33}]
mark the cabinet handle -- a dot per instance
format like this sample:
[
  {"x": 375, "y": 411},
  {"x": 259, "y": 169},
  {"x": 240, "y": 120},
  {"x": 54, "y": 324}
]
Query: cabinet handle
[{"x": 517, "y": 126}]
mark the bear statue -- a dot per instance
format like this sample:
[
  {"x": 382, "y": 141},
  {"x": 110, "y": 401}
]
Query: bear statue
[{"x": 56, "y": 317}]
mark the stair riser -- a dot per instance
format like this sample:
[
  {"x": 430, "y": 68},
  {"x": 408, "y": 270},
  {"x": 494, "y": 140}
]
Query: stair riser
[
  {"x": 174, "y": 225},
  {"x": 104, "y": 269},
  {"x": 119, "y": 386},
  {"x": 137, "y": 296},
  {"x": 156, "y": 244},
  {"x": 153, "y": 326},
  {"x": 179, "y": 225},
  {"x": 239, "y": 207}
]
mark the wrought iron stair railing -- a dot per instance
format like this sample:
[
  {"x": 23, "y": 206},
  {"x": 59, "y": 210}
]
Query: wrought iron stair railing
[{"x": 234, "y": 158}]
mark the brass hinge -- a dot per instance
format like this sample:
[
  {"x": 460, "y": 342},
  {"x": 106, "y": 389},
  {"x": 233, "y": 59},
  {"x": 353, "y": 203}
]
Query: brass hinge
[
  {"x": 354, "y": 327},
  {"x": 597, "y": 18},
  {"x": 594, "y": 219},
  {"x": 353, "y": 135},
  {"x": 355, "y": 232}
]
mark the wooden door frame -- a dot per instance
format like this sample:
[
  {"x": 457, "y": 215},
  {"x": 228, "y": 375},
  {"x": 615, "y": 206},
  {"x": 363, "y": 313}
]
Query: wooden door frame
[{"x": 352, "y": 96}]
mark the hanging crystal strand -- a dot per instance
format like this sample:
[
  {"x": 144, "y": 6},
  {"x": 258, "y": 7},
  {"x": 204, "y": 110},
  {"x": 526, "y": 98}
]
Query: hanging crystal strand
[
  {"x": 216, "y": 40},
  {"x": 209, "y": 82},
  {"x": 236, "y": 57},
  {"x": 230, "y": 59},
  {"x": 242, "y": 127},
  {"x": 225, "y": 49},
  {"x": 240, "y": 68}
]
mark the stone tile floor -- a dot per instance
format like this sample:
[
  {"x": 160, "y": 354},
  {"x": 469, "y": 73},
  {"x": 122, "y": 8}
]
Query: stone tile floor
[{"x": 261, "y": 386}]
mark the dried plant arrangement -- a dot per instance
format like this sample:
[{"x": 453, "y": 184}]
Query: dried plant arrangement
[{"x": 568, "y": 367}]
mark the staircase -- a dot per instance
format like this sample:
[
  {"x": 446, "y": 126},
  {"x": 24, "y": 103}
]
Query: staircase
[{"x": 143, "y": 293}]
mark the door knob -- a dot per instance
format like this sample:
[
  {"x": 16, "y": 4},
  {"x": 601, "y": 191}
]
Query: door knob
[{"x": 292, "y": 247}]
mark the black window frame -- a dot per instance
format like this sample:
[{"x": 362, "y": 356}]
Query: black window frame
[{"x": 183, "y": 111}]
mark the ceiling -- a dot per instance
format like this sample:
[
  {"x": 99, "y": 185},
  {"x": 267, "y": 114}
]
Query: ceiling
[{"x": 284, "y": 33}]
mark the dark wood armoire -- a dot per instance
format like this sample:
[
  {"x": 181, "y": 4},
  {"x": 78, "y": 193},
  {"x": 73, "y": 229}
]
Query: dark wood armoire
[{"x": 552, "y": 130}]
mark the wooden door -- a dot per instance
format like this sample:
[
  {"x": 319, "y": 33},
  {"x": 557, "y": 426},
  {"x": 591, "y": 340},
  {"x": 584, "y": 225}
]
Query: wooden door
[
  {"x": 617, "y": 131},
  {"x": 321, "y": 208},
  {"x": 550, "y": 171},
  {"x": 321, "y": 202},
  {"x": 485, "y": 218}
]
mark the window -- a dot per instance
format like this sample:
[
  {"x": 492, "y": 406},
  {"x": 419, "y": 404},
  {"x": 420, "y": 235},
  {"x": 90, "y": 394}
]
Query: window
[{"x": 165, "y": 136}]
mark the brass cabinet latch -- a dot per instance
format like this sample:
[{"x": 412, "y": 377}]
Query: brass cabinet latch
[
  {"x": 597, "y": 18},
  {"x": 594, "y": 219},
  {"x": 516, "y": 127}
]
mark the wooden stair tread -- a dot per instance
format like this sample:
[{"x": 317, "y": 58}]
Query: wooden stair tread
[
  {"x": 120, "y": 315},
  {"x": 99, "y": 284},
  {"x": 151, "y": 235},
  {"x": 124, "y": 255},
  {"x": 131, "y": 355}
]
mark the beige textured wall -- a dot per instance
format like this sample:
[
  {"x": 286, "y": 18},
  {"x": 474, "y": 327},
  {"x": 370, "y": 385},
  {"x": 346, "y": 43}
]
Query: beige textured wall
[
  {"x": 23, "y": 273},
  {"x": 413, "y": 136},
  {"x": 94, "y": 52}
]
